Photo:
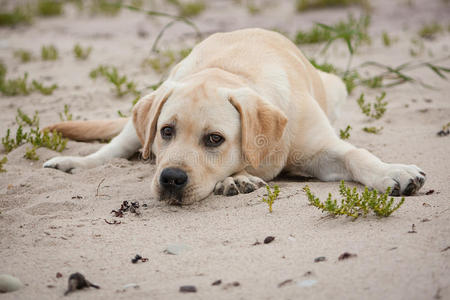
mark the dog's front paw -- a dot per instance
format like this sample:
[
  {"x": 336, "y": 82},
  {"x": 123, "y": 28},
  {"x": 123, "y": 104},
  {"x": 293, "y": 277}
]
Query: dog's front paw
[
  {"x": 64, "y": 163},
  {"x": 240, "y": 183},
  {"x": 402, "y": 179}
]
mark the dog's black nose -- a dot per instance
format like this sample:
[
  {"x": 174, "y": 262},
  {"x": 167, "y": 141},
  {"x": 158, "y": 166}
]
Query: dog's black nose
[{"x": 173, "y": 179}]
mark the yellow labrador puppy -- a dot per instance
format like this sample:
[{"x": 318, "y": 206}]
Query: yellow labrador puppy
[{"x": 241, "y": 108}]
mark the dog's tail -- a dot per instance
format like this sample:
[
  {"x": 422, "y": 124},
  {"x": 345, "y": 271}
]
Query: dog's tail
[{"x": 89, "y": 130}]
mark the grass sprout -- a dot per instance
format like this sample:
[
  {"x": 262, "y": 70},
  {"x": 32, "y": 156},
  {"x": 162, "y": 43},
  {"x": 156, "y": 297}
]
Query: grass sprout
[
  {"x": 80, "y": 53},
  {"x": 49, "y": 8},
  {"x": 23, "y": 55},
  {"x": 65, "y": 115},
  {"x": 271, "y": 196},
  {"x": 25, "y": 120},
  {"x": 345, "y": 134},
  {"x": 44, "y": 90},
  {"x": 49, "y": 52},
  {"x": 373, "y": 129},
  {"x": 373, "y": 110},
  {"x": 302, "y": 5},
  {"x": 19, "y": 15},
  {"x": 122, "y": 86},
  {"x": 3, "y": 161},
  {"x": 354, "y": 204}
]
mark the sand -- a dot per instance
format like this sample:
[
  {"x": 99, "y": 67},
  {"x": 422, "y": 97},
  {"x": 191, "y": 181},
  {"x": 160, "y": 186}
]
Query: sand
[{"x": 54, "y": 222}]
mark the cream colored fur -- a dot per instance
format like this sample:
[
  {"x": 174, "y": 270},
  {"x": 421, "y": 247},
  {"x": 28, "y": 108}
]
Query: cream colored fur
[{"x": 257, "y": 90}]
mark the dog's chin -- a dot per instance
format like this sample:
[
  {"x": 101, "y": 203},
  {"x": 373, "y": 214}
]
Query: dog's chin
[{"x": 171, "y": 198}]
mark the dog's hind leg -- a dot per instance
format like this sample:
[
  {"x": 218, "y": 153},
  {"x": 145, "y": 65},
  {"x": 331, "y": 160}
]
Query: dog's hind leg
[
  {"x": 124, "y": 145},
  {"x": 336, "y": 94}
]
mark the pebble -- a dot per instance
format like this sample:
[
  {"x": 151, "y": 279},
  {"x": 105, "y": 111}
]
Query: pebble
[
  {"x": 188, "y": 289},
  {"x": 9, "y": 283}
]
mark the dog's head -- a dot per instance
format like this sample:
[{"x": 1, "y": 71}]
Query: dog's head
[{"x": 201, "y": 133}]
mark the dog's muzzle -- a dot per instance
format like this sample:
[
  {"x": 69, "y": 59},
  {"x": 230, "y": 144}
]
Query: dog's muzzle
[{"x": 172, "y": 182}]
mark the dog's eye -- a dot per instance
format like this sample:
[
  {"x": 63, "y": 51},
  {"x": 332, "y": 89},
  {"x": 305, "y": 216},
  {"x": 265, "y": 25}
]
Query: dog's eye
[
  {"x": 167, "y": 132},
  {"x": 213, "y": 140}
]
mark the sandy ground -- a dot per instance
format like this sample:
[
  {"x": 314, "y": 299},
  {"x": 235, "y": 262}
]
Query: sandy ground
[{"x": 54, "y": 222}]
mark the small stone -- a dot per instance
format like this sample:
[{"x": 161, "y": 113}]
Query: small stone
[
  {"x": 59, "y": 275},
  {"x": 217, "y": 282},
  {"x": 320, "y": 258},
  {"x": 188, "y": 289},
  {"x": 269, "y": 239},
  {"x": 9, "y": 283},
  {"x": 346, "y": 255}
]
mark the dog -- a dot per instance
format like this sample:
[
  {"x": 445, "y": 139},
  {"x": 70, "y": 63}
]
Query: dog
[{"x": 242, "y": 107}]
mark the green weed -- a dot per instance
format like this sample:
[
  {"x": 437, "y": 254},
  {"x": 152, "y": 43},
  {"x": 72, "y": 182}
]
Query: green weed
[
  {"x": 80, "y": 53},
  {"x": 49, "y": 8},
  {"x": 23, "y": 55},
  {"x": 106, "y": 7},
  {"x": 189, "y": 8},
  {"x": 345, "y": 134},
  {"x": 24, "y": 120},
  {"x": 354, "y": 204},
  {"x": 325, "y": 67},
  {"x": 3, "y": 161},
  {"x": 66, "y": 115},
  {"x": 122, "y": 85},
  {"x": 44, "y": 90},
  {"x": 373, "y": 129},
  {"x": 271, "y": 196},
  {"x": 14, "y": 87},
  {"x": 302, "y": 5},
  {"x": 37, "y": 139},
  {"x": 316, "y": 34},
  {"x": 429, "y": 31},
  {"x": 30, "y": 154},
  {"x": 19, "y": 15},
  {"x": 49, "y": 52},
  {"x": 373, "y": 110},
  {"x": 162, "y": 61},
  {"x": 387, "y": 39}
]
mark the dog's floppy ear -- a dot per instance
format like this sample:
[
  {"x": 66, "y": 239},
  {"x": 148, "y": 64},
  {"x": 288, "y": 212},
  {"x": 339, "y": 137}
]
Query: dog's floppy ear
[
  {"x": 262, "y": 124},
  {"x": 145, "y": 117}
]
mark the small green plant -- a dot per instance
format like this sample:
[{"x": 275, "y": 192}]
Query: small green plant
[
  {"x": 373, "y": 129},
  {"x": 345, "y": 134},
  {"x": 354, "y": 32},
  {"x": 325, "y": 67},
  {"x": 19, "y": 15},
  {"x": 24, "y": 120},
  {"x": 31, "y": 154},
  {"x": 11, "y": 143},
  {"x": 23, "y": 55},
  {"x": 106, "y": 7},
  {"x": 49, "y": 8},
  {"x": 387, "y": 39},
  {"x": 66, "y": 115},
  {"x": 190, "y": 8},
  {"x": 354, "y": 204},
  {"x": 271, "y": 196},
  {"x": 162, "y": 61},
  {"x": 429, "y": 31},
  {"x": 44, "y": 90},
  {"x": 16, "y": 86},
  {"x": 3, "y": 161},
  {"x": 316, "y": 34},
  {"x": 37, "y": 138},
  {"x": 122, "y": 85},
  {"x": 302, "y": 5},
  {"x": 49, "y": 52},
  {"x": 373, "y": 110},
  {"x": 80, "y": 53},
  {"x": 417, "y": 47}
]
